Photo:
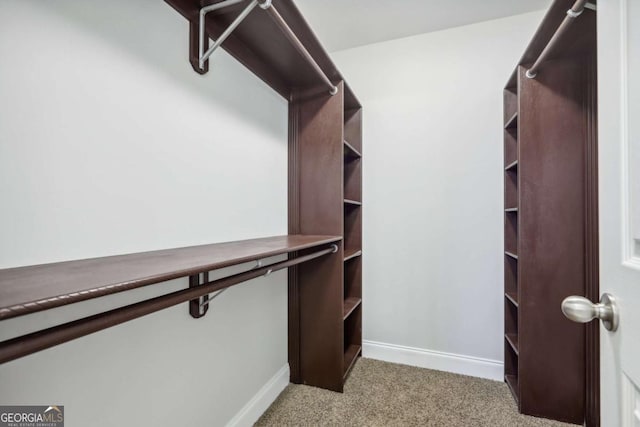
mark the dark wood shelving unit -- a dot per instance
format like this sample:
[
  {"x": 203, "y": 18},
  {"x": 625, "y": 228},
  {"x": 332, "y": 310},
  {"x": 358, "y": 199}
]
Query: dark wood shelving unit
[
  {"x": 550, "y": 221},
  {"x": 352, "y": 288},
  {"x": 25, "y": 290},
  {"x": 326, "y": 307},
  {"x": 325, "y": 209},
  {"x": 325, "y": 146}
]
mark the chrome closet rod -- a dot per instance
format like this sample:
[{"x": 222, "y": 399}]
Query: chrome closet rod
[
  {"x": 575, "y": 11},
  {"x": 31, "y": 343},
  {"x": 295, "y": 41}
]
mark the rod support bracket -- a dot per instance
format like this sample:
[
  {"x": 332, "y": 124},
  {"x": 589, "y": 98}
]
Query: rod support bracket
[
  {"x": 530, "y": 75},
  {"x": 333, "y": 91},
  {"x": 198, "y": 307}
]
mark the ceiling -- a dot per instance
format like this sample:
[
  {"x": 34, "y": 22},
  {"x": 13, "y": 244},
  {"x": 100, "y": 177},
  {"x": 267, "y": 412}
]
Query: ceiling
[{"x": 343, "y": 24}]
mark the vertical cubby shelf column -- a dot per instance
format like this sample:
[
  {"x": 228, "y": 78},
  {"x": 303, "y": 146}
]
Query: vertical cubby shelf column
[
  {"x": 316, "y": 199},
  {"x": 325, "y": 197},
  {"x": 352, "y": 176},
  {"x": 511, "y": 234}
]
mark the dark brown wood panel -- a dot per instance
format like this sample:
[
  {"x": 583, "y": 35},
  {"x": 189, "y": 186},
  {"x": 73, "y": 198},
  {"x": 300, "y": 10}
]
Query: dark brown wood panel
[
  {"x": 317, "y": 147},
  {"x": 552, "y": 131},
  {"x": 29, "y": 289},
  {"x": 592, "y": 285}
]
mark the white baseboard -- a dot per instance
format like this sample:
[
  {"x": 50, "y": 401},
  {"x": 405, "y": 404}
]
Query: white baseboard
[
  {"x": 254, "y": 409},
  {"x": 457, "y": 363}
]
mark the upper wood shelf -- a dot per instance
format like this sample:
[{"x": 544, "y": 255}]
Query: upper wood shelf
[
  {"x": 30, "y": 289},
  {"x": 261, "y": 46},
  {"x": 350, "y": 152}
]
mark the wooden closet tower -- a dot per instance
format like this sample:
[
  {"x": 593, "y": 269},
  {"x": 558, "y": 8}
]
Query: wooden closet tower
[{"x": 550, "y": 220}]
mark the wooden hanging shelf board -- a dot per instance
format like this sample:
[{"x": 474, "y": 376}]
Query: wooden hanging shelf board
[
  {"x": 25, "y": 290},
  {"x": 261, "y": 46}
]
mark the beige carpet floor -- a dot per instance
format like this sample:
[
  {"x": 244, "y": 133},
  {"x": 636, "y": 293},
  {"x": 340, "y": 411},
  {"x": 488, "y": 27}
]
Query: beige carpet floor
[{"x": 387, "y": 394}]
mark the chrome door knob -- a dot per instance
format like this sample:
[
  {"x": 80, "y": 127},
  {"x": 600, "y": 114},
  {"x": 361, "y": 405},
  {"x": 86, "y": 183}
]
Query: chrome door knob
[{"x": 581, "y": 310}]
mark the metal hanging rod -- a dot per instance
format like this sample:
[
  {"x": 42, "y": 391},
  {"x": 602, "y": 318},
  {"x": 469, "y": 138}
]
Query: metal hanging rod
[
  {"x": 265, "y": 5},
  {"x": 31, "y": 343},
  {"x": 300, "y": 48},
  {"x": 575, "y": 11}
]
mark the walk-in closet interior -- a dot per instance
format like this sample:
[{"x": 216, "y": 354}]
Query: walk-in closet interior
[{"x": 289, "y": 212}]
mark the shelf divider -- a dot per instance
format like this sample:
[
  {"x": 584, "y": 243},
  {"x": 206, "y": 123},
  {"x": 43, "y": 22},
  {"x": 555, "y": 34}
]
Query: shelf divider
[
  {"x": 513, "y": 297},
  {"x": 351, "y": 253},
  {"x": 512, "y": 166},
  {"x": 512, "y": 339},
  {"x": 510, "y": 254},
  {"x": 350, "y": 151}
]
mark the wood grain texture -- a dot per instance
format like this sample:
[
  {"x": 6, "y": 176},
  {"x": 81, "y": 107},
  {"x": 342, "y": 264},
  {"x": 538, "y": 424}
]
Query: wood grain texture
[
  {"x": 317, "y": 168},
  {"x": 30, "y": 289},
  {"x": 551, "y": 261}
]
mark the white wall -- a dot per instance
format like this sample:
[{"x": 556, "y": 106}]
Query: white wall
[
  {"x": 109, "y": 144},
  {"x": 432, "y": 177}
]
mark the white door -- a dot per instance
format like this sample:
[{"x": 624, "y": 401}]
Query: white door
[{"x": 619, "y": 192}]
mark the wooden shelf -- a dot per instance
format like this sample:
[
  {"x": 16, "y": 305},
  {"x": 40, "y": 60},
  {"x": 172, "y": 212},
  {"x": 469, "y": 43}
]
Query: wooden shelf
[
  {"x": 350, "y": 304},
  {"x": 30, "y": 289},
  {"x": 351, "y": 253},
  {"x": 260, "y": 45},
  {"x": 510, "y": 254},
  {"x": 512, "y": 382},
  {"x": 513, "y": 297},
  {"x": 350, "y": 152},
  {"x": 350, "y": 355},
  {"x": 512, "y": 339},
  {"x": 512, "y": 123},
  {"x": 349, "y": 202},
  {"x": 513, "y": 166}
]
